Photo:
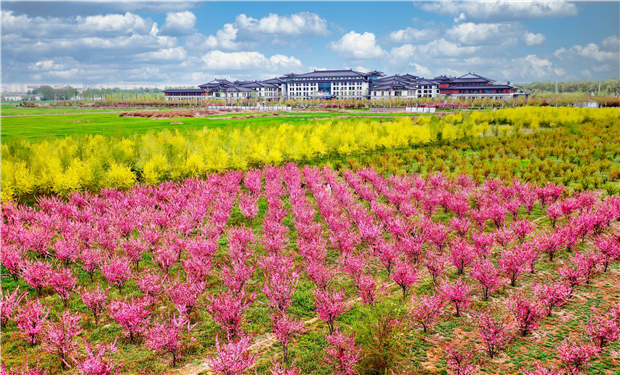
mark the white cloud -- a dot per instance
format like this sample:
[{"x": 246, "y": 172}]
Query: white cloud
[
  {"x": 13, "y": 24},
  {"x": 444, "y": 48},
  {"x": 504, "y": 34},
  {"x": 590, "y": 51},
  {"x": 337, "y": 27},
  {"x": 419, "y": 70},
  {"x": 179, "y": 23},
  {"x": 218, "y": 60},
  {"x": 584, "y": 57},
  {"x": 99, "y": 25},
  {"x": 606, "y": 68},
  {"x": 64, "y": 74},
  {"x": 225, "y": 39},
  {"x": 114, "y": 23},
  {"x": 501, "y": 10},
  {"x": 45, "y": 65},
  {"x": 531, "y": 39},
  {"x": 299, "y": 24},
  {"x": 586, "y": 73},
  {"x": 484, "y": 33},
  {"x": 167, "y": 54},
  {"x": 246, "y": 32},
  {"x": 461, "y": 17},
  {"x": 410, "y": 35},
  {"x": 357, "y": 46},
  {"x": 449, "y": 72},
  {"x": 532, "y": 68},
  {"x": 402, "y": 53},
  {"x": 198, "y": 77},
  {"x": 448, "y": 53},
  {"x": 146, "y": 74},
  {"x": 611, "y": 43},
  {"x": 66, "y": 69}
]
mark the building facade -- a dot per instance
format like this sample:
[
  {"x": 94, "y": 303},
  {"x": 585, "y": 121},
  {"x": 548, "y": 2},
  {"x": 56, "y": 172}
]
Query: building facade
[
  {"x": 472, "y": 85},
  {"x": 330, "y": 84},
  {"x": 404, "y": 87},
  {"x": 347, "y": 84}
]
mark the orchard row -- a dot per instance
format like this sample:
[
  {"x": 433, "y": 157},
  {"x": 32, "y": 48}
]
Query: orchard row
[{"x": 209, "y": 267}]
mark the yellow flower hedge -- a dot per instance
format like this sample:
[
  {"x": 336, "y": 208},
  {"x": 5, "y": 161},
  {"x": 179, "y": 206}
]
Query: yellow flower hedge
[{"x": 64, "y": 165}]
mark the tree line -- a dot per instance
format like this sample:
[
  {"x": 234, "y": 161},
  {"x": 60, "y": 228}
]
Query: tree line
[
  {"x": 50, "y": 93},
  {"x": 608, "y": 87}
]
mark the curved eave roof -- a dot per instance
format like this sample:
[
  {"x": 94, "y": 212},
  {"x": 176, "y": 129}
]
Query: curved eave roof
[{"x": 328, "y": 73}]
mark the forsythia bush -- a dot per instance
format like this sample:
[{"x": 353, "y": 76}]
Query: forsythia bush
[
  {"x": 545, "y": 116},
  {"x": 89, "y": 163},
  {"x": 92, "y": 162}
]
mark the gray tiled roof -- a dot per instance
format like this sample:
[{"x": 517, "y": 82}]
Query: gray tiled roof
[
  {"x": 474, "y": 75},
  {"x": 395, "y": 82},
  {"x": 255, "y": 84},
  {"x": 216, "y": 83},
  {"x": 329, "y": 73},
  {"x": 471, "y": 77},
  {"x": 274, "y": 81}
]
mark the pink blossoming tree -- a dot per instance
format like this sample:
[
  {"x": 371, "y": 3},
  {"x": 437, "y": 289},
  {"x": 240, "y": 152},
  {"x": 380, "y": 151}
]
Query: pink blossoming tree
[
  {"x": 96, "y": 300},
  {"x": 342, "y": 353},
  {"x": 59, "y": 336},
  {"x": 232, "y": 358}
]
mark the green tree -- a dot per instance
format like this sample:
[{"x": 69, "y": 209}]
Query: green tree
[{"x": 47, "y": 92}]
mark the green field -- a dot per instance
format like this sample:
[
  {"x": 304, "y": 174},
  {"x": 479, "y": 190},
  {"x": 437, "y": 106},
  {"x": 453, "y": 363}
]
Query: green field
[
  {"x": 51, "y": 111},
  {"x": 110, "y": 124},
  {"x": 13, "y": 109}
]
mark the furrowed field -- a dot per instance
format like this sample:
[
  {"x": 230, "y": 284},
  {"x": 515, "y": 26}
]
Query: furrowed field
[{"x": 481, "y": 242}]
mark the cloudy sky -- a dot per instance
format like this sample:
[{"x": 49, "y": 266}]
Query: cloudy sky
[{"x": 190, "y": 43}]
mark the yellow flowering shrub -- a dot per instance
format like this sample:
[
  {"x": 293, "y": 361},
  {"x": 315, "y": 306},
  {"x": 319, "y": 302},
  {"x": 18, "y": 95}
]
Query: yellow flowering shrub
[{"x": 92, "y": 162}]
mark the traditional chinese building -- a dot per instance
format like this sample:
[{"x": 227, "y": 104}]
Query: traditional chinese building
[
  {"x": 348, "y": 84},
  {"x": 472, "y": 85}
]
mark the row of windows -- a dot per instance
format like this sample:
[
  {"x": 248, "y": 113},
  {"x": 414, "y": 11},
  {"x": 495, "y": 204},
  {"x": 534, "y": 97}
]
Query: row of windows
[
  {"x": 396, "y": 93},
  {"x": 343, "y": 82},
  {"x": 323, "y": 78},
  {"x": 185, "y": 93},
  {"x": 335, "y": 89},
  {"x": 333, "y": 83},
  {"x": 352, "y": 93},
  {"x": 482, "y": 91}
]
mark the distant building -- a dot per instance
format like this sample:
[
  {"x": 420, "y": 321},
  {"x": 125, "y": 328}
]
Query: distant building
[
  {"x": 347, "y": 84},
  {"x": 472, "y": 85},
  {"x": 328, "y": 84},
  {"x": 12, "y": 98},
  {"x": 185, "y": 94},
  {"x": 404, "y": 87}
]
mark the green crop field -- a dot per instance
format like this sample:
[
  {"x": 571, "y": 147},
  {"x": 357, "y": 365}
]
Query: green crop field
[
  {"x": 110, "y": 124},
  {"x": 10, "y": 110}
]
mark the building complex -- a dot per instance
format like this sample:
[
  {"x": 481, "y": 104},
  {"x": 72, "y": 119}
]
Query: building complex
[{"x": 349, "y": 84}]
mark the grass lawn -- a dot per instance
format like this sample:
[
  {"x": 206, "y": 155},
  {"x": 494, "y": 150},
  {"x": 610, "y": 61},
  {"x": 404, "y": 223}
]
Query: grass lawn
[
  {"x": 42, "y": 127},
  {"x": 11, "y": 111}
]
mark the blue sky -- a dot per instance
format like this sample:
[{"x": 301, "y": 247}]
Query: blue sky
[{"x": 190, "y": 43}]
